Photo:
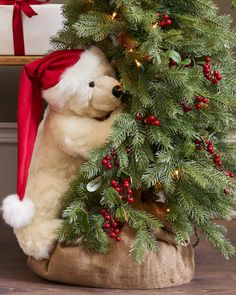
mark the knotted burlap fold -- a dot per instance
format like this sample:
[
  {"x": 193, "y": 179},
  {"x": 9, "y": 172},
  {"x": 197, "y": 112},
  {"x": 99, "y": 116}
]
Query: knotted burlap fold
[{"x": 172, "y": 265}]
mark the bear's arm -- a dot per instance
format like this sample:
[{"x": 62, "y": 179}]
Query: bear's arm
[{"x": 75, "y": 135}]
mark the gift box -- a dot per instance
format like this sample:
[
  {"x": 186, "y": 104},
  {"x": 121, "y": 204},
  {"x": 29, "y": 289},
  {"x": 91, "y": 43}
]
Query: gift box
[{"x": 26, "y": 29}]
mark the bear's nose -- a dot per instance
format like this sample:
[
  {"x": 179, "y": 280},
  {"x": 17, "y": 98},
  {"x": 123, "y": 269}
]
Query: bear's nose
[{"x": 116, "y": 91}]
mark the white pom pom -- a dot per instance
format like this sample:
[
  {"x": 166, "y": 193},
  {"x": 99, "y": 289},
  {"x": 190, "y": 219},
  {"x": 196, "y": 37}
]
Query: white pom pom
[{"x": 17, "y": 213}]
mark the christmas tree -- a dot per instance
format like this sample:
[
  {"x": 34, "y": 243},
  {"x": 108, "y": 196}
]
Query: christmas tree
[{"x": 167, "y": 163}]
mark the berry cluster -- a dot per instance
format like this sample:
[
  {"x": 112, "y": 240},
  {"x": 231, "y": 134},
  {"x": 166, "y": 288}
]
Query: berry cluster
[
  {"x": 199, "y": 103},
  {"x": 214, "y": 76},
  {"x": 124, "y": 190},
  {"x": 208, "y": 146},
  {"x": 111, "y": 225},
  {"x": 164, "y": 20},
  {"x": 110, "y": 160},
  {"x": 150, "y": 120},
  {"x": 186, "y": 108}
]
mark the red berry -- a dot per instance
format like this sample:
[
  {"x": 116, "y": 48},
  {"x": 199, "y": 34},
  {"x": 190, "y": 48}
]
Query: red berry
[
  {"x": 109, "y": 166},
  {"x": 118, "y": 239},
  {"x": 205, "y": 100},
  {"x": 211, "y": 151},
  {"x": 128, "y": 179},
  {"x": 108, "y": 158},
  {"x": 151, "y": 118},
  {"x": 116, "y": 220},
  {"x": 168, "y": 22},
  {"x": 231, "y": 174},
  {"x": 129, "y": 191},
  {"x": 126, "y": 184},
  {"x": 172, "y": 63},
  {"x": 216, "y": 73},
  {"x": 114, "y": 225},
  {"x": 139, "y": 117},
  {"x": 215, "y": 81},
  {"x": 130, "y": 200},
  {"x": 112, "y": 235},
  {"x": 118, "y": 189},
  {"x": 116, "y": 231},
  {"x": 114, "y": 183},
  {"x": 162, "y": 24},
  {"x": 206, "y": 67},
  {"x": 103, "y": 211},
  {"x": 107, "y": 217},
  {"x": 156, "y": 123},
  {"x": 199, "y": 98},
  {"x": 107, "y": 226},
  {"x": 146, "y": 121},
  {"x": 198, "y": 106},
  {"x": 208, "y": 77},
  {"x": 219, "y": 77},
  {"x": 197, "y": 141},
  {"x": 104, "y": 162},
  {"x": 206, "y": 71},
  {"x": 158, "y": 14},
  {"x": 187, "y": 109},
  {"x": 165, "y": 16},
  {"x": 207, "y": 59},
  {"x": 216, "y": 160}
]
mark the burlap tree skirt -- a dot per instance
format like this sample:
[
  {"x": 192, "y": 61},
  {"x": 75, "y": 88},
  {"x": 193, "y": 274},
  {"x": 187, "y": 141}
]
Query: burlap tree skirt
[{"x": 172, "y": 265}]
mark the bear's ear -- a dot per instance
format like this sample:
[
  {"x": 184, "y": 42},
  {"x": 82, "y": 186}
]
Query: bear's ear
[
  {"x": 92, "y": 63},
  {"x": 56, "y": 97}
]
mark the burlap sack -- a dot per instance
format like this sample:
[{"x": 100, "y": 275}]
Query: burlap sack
[{"x": 171, "y": 266}]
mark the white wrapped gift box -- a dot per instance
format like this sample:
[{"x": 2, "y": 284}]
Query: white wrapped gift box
[{"x": 38, "y": 29}]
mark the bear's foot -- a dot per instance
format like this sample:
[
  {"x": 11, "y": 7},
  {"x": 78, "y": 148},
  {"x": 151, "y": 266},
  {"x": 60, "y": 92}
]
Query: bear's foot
[{"x": 38, "y": 239}]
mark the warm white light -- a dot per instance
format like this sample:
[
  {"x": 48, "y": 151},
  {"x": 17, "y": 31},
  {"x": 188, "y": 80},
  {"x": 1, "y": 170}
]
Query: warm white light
[
  {"x": 155, "y": 25},
  {"x": 138, "y": 64},
  {"x": 177, "y": 174},
  {"x": 114, "y": 14},
  {"x": 168, "y": 210}
]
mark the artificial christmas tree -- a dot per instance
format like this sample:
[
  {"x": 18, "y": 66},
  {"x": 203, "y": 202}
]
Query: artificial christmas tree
[
  {"x": 174, "y": 60},
  {"x": 166, "y": 170}
]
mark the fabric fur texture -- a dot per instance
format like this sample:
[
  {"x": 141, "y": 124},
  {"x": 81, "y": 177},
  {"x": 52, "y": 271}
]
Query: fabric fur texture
[{"x": 69, "y": 130}]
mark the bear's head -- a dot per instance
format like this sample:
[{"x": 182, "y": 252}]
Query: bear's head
[{"x": 88, "y": 88}]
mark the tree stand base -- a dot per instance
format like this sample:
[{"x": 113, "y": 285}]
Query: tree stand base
[{"x": 171, "y": 266}]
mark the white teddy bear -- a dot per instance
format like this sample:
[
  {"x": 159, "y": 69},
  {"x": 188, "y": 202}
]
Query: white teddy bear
[{"x": 80, "y": 112}]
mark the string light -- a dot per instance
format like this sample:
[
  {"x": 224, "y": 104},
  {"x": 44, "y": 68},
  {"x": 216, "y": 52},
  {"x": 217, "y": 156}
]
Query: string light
[
  {"x": 114, "y": 15},
  {"x": 155, "y": 25},
  {"x": 168, "y": 210},
  {"x": 177, "y": 174},
  {"x": 138, "y": 64}
]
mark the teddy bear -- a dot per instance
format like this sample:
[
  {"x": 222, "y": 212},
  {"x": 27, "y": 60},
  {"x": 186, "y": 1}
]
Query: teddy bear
[{"x": 81, "y": 109}]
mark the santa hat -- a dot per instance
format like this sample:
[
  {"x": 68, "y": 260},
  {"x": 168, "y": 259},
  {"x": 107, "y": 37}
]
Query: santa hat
[{"x": 45, "y": 73}]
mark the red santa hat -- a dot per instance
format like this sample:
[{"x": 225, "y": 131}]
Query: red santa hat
[{"x": 18, "y": 210}]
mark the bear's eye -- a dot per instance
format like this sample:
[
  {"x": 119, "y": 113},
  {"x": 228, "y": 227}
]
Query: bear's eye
[{"x": 91, "y": 84}]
